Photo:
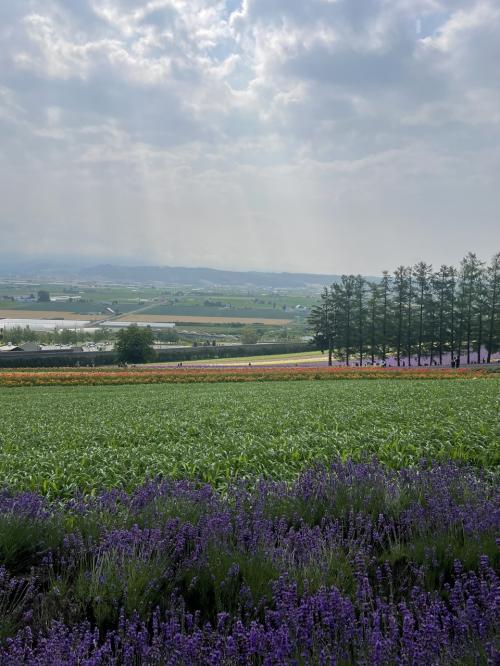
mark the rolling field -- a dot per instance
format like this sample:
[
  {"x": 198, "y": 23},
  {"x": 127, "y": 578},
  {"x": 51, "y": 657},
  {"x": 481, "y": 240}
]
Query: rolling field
[
  {"x": 160, "y": 305},
  {"x": 57, "y": 439}
]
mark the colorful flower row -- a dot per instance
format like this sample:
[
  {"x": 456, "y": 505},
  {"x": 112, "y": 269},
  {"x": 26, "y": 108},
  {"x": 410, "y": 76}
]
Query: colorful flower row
[{"x": 207, "y": 375}]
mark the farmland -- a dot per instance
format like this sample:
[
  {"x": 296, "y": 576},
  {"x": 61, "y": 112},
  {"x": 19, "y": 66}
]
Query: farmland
[
  {"x": 212, "y": 318},
  {"x": 58, "y": 439},
  {"x": 207, "y": 457},
  {"x": 247, "y": 521},
  {"x": 223, "y": 308},
  {"x": 244, "y": 511}
]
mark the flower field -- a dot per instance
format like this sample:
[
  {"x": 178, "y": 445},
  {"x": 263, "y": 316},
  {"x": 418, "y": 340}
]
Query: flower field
[
  {"x": 200, "y": 523},
  {"x": 189, "y": 375},
  {"x": 353, "y": 564}
]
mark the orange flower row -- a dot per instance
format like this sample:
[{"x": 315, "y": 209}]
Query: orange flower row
[{"x": 210, "y": 375}]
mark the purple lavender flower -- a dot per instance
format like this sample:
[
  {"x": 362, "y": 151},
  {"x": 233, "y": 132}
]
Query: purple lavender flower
[{"x": 352, "y": 564}]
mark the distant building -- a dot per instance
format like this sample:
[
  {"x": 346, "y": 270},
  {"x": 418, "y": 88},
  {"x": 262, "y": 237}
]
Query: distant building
[
  {"x": 64, "y": 299},
  {"x": 140, "y": 324},
  {"x": 25, "y": 298},
  {"x": 30, "y": 347},
  {"x": 53, "y": 348},
  {"x": 43, "y": 324}
]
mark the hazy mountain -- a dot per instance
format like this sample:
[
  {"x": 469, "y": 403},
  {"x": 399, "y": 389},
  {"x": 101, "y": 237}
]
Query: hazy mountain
[
  {"x": 42, "y": 267},
  {"x": 203, "y": 276},
  {"x": 78, "y": 269}
]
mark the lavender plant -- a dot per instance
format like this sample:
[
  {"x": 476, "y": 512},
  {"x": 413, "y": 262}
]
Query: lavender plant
[{"x": 353, "y": 564}]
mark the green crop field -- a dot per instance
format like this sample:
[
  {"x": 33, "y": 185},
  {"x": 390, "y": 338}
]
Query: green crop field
[
  {"x": 56, "y": 439},
  {"x": 210, "y": 311}
]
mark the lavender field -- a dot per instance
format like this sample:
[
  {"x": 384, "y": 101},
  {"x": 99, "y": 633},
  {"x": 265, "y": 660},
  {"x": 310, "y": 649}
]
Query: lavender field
[
  {"x": 353, "y": 564},
  {"x": 326, "y": 562}
]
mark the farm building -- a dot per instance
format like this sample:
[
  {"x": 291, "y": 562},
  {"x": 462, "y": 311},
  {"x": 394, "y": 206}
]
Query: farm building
[
  {"x": 43, "y": 324},
  {"x": 25, "y": 346},
  {"x": 29, "y": 346},
  {"x": 65, "y": 298},
  {"x": 141, "y": 324}
]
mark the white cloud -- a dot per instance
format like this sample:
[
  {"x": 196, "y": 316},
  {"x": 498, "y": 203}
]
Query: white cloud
[
  {"x": 460, "y": 24},
  {"x": 135, "y": 120}
]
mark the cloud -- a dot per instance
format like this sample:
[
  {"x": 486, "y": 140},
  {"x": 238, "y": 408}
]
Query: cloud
[{"x": 295, "y": 134}]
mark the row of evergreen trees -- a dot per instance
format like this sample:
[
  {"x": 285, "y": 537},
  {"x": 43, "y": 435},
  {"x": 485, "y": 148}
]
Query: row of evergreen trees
[{"x": 416, "y": 315}]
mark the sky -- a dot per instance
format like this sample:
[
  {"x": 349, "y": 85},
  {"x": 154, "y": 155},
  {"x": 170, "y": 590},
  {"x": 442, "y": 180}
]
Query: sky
[{"x": 329, "y": 136}]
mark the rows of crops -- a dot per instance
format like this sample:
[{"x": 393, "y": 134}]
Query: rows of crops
[
  {"x": 393, "y": 562},
  {"x": 57, "y": 439}
]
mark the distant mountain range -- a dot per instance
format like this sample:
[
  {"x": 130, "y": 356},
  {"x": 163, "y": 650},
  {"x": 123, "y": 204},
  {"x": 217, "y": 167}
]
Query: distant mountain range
[
  {"x": 203, "y": 276},
  {"x": 164, "y": 275}
]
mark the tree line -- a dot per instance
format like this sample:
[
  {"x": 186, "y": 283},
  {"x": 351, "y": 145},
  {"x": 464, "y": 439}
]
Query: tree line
[{"x": 416, "y": 315}]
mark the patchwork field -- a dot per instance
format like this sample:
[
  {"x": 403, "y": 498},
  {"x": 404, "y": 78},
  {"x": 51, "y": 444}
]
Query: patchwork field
[
  {"x": 57, "y": 439},
  {"x": 206, "y": 319},
  {"x": 200, "y": 310},
  {"x": 223, "y": 308}
]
